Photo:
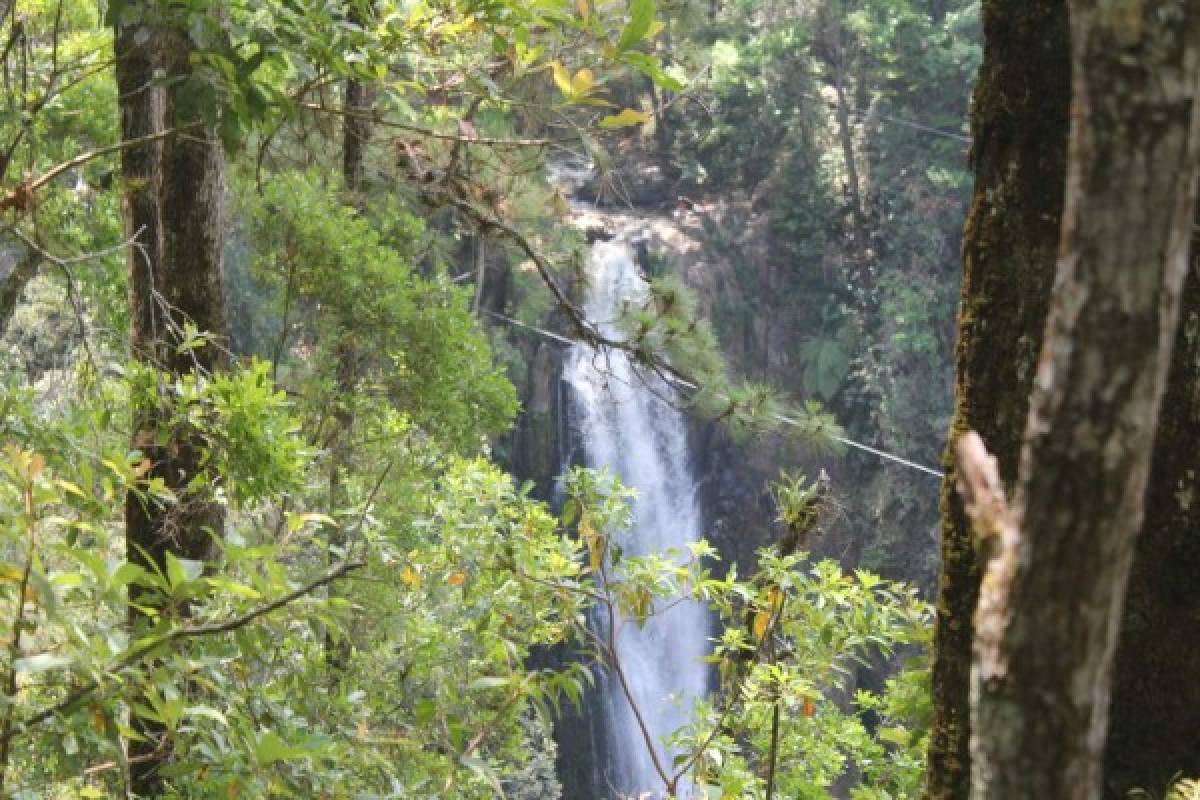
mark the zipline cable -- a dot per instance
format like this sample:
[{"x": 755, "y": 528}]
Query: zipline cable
[
  {"x": 907, "y": 123},
  {"x": 557, "y": 337}
]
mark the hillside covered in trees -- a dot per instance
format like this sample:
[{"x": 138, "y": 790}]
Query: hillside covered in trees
[{"x": 598, "y": 399}]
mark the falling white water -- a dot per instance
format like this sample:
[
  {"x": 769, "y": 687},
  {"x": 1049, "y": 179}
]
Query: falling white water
[{"x": 625, "y": 425}]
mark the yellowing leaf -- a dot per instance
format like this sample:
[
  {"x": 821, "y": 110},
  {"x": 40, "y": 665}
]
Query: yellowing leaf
[
  {"x": 36, "y": 464},
  {"x": 410, "y": 577},
  {"x": 99, "y": 721},
  {"x": 561, "y": 77},
  {"x": 762, "y": 619},
  {"x": 626, "y": 118},
  {"x": 641, "y": 605},
  {"x": 70, "y": 488},
  {"x": 656, "y": 28},
  {"x": 585, "y": 10},
  {"x": 142, "y": 468},
  {"x": 456, "y": 578},
  {"x": 594, "y": 541},
  {"x": 9, "y": 573},
  {"x": 583, "y": 82}
]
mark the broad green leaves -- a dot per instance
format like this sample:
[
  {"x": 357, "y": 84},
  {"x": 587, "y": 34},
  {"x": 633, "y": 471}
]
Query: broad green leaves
[{"x": 641, "y": 18}]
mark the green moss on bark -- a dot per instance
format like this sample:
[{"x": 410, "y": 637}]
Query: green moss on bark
[{"x": 1019, "y": 123}]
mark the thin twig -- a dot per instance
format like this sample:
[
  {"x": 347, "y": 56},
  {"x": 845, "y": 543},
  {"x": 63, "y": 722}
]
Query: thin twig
[
  {"x": 378, "y": 119},
  {"x": 32, "y": 186}
]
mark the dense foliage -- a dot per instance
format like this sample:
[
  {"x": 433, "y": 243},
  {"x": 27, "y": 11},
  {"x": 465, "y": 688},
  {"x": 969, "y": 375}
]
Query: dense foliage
[{"x": 372, "y": 622}]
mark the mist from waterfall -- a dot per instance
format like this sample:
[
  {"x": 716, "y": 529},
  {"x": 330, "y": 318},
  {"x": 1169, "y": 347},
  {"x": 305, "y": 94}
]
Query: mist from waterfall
[{"x": 626, "y": 424}]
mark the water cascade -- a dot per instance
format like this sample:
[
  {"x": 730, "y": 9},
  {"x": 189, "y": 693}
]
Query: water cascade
[{"x": 626, "y": 424}]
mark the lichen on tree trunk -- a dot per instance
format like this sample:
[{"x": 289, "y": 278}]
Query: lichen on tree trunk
[
  {"x": 1155, "y": 713},
  {"x": 1019, "y": 125},
  {"x": 1050, "y": 609}
]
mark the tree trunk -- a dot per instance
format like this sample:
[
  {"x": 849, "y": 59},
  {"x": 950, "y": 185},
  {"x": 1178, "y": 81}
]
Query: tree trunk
[
  {"x": 1155, "y": 715},
  {"x": 1050, "y": 605},
  {"x": 172, "y": 199},
  {"x": 1019, "y": 124},
  {"x": 853, "y": 181},
  {"x": 12, "y": 286},
  {"x": 356, "y": 132}
]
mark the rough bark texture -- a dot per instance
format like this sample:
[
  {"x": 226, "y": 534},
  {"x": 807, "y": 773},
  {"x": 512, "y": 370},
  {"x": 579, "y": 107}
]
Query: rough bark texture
[
  {"x": 172, "y": 196},
  {"x": 1019, "y": 124},
  {"x": 141, "y": 110},
  {"x": 1050, "y": 609},
  {"x": 12, "y": 285},
  {"x": 1155, "y": 714},
  {"x": 356, "y": 132}
]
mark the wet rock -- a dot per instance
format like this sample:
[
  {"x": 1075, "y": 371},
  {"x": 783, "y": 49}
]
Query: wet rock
[
  {"x": 598, "y": 232},
  {"x": 634, "y": 185}
]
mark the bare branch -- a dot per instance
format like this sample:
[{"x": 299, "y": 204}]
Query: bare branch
[{"x": 16, "y": 197}]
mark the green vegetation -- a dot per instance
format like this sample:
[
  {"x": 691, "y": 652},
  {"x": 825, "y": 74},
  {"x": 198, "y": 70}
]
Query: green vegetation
[{"x": 381, "y": 597}]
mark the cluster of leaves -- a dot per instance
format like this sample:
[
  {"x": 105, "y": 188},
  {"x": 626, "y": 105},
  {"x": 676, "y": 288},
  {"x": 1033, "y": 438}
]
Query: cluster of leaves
[
  {"x": 348, "y": 292},
  {"x": 450, "y": 565},
  {"x": 796, "y": 638}
]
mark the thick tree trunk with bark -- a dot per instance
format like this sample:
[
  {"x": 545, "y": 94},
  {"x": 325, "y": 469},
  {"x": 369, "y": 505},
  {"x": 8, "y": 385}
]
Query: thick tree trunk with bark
[
  {"x": 1050, "y": 605},
  {"x": 1019, "y": 125},
  {"x": 172, "y": 196},
  {"x": 1155, "y": 714}
]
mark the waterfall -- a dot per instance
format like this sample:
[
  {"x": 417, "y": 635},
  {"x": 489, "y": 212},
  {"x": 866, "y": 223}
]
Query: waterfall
[{"x": 625, "y": 424}]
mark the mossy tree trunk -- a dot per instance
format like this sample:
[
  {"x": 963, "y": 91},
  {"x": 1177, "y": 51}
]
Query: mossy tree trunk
[
  {"x": 1155, "y": 714},
  {"x": 1019, "y": 124},
  {"x": 172, "y": 198},
  {"x": 1051, "y": 603}
]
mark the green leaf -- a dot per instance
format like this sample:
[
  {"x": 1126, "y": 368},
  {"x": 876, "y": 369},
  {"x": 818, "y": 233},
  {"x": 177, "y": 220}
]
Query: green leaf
[
  {"x": 234, "y": 588},
  {"x": 271, "y": 748},
  {"x": 487, "y": 682},
  {"x": 126, "y": 574},
  {"x": 209, "y": 713},
  {"x": 641, "y": 17},
  {"x": 649, "y": 66},
  {"x": 41, "y": 663},
  {"x": 182, "y": 570}
]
